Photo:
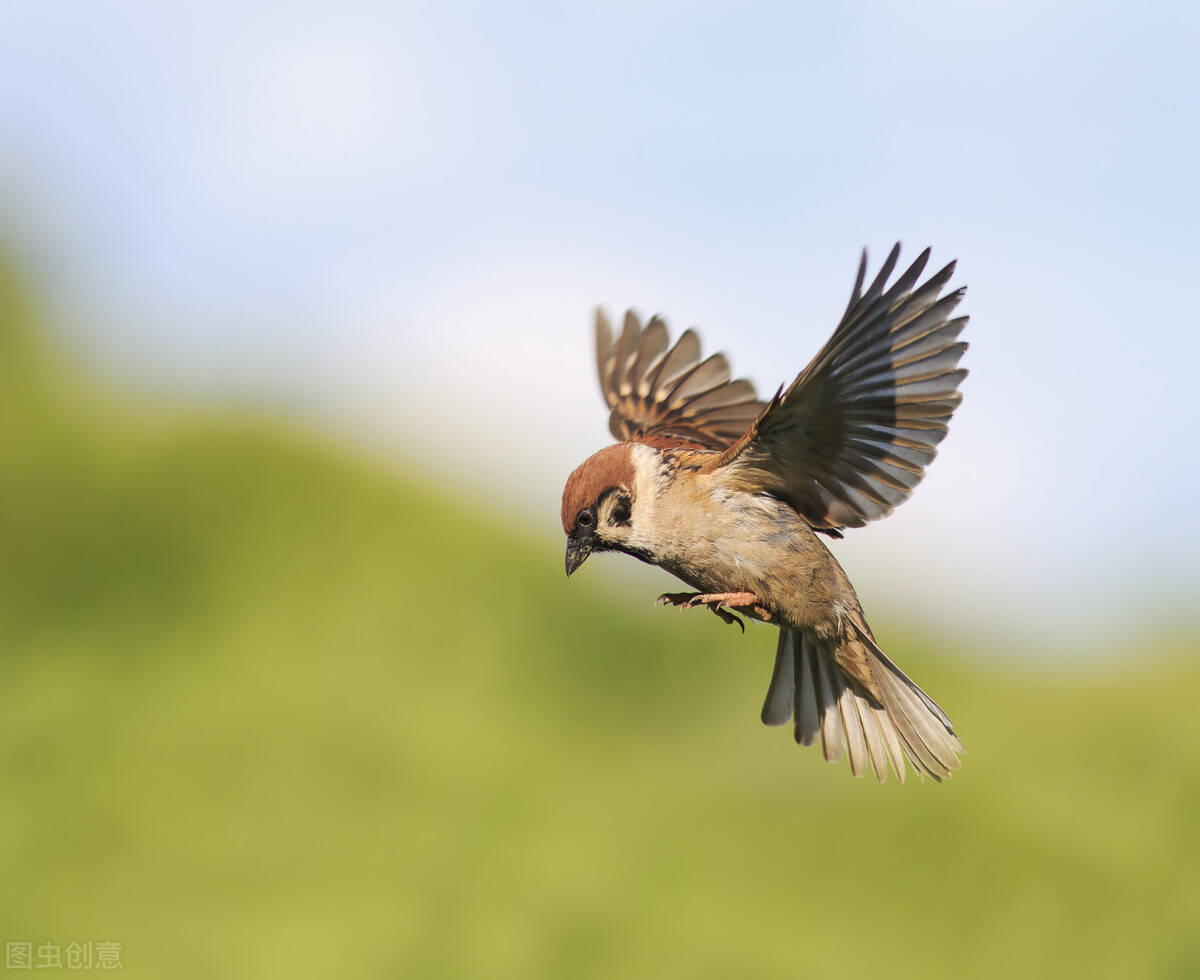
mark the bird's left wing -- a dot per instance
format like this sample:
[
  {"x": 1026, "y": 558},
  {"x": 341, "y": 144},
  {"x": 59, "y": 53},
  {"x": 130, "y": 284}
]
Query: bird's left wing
[
  {"x": 851, "y": 437},
  {"x": 656, "y": 389}
]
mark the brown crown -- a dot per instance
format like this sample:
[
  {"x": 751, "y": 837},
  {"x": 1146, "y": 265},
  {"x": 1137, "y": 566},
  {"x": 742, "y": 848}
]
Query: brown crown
[{"x": 611, "y": 467}]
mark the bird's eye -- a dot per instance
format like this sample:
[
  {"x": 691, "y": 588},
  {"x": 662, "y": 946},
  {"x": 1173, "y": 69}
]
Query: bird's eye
[{"x": 585, "y": 519}]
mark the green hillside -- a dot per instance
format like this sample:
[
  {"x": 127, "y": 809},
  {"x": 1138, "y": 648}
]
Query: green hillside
[{"x": 270, "y": 710}]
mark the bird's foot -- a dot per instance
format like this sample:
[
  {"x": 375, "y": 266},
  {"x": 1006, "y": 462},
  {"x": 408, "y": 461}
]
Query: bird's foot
[{"x": 719, "y": 603}]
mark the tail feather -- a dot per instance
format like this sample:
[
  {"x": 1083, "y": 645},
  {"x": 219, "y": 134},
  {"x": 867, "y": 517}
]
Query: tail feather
[
  {"x": 876, "y": 744},
  {"x": 856, "y": 740},
  {"x": 778, "y": 707},
  {"x": 808, "y": 710},
  {"x": 832, "y": 736},
  {"x": 825, "y": 702}
]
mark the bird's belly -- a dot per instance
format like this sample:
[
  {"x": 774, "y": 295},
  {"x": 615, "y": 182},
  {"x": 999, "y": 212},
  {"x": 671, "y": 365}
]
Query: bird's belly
[{"x": 769, "y": 551}]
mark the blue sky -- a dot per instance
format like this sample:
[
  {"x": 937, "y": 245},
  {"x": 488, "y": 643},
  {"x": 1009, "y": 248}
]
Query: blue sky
[{"x": 396, "y": 219}]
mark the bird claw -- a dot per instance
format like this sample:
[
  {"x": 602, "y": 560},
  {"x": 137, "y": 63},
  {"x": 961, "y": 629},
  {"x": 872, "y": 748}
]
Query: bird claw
[
  {"x": 718, "y": 603},
  {"x": 684, "y": 599},
  {"x": 727, "y": 617}
]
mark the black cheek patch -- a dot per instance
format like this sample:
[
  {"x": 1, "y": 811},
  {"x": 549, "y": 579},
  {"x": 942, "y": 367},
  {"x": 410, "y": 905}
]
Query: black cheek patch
[{"x": 620, "y": 513}]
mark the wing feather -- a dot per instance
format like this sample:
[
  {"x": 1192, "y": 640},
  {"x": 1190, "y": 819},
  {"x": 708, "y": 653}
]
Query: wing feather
[
  {"x": 851, "y": 437},
  {"x": 654, "y": 388}
]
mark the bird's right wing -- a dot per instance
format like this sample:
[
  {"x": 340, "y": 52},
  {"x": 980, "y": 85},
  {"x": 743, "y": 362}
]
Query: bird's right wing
[{"x": 670, "y": 393}]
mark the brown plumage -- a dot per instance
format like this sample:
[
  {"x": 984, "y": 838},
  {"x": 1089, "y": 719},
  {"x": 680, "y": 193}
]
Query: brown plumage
[{"x": 727, "y": 493}]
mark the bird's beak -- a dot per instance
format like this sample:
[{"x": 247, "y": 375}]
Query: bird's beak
[{"x": 577, "y": 551}]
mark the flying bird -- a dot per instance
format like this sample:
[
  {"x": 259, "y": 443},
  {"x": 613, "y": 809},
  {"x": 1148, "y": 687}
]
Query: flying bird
[{"x": 729, "y": 494}]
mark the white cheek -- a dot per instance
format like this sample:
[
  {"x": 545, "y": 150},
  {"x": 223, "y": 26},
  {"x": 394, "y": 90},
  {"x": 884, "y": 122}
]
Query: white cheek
[{"x": 646, "y": 524}]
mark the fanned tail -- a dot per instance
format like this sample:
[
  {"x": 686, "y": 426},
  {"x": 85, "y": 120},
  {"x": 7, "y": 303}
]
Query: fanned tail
[{"x": 809, "y": 686}]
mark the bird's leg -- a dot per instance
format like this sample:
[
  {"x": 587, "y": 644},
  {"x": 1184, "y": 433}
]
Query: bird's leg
[{"x": 718, "y": 602}]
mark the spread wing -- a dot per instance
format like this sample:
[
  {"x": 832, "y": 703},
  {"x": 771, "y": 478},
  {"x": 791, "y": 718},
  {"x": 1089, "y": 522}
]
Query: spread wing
[
  {"x": 851, "y": 437},
  {"x": 655, "y": 389}
]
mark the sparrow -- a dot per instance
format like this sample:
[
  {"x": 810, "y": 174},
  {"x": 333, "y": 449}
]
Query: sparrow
[{"x": 730, "y": 494}]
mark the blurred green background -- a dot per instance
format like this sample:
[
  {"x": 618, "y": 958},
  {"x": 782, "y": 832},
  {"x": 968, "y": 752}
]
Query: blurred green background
[
  {"x": 275, "y": 708},
  {"x": 294, "y": 359}
]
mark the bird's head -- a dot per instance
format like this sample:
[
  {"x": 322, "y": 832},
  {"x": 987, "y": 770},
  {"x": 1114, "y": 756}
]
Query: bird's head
[{"x": 598, "y": 503}]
